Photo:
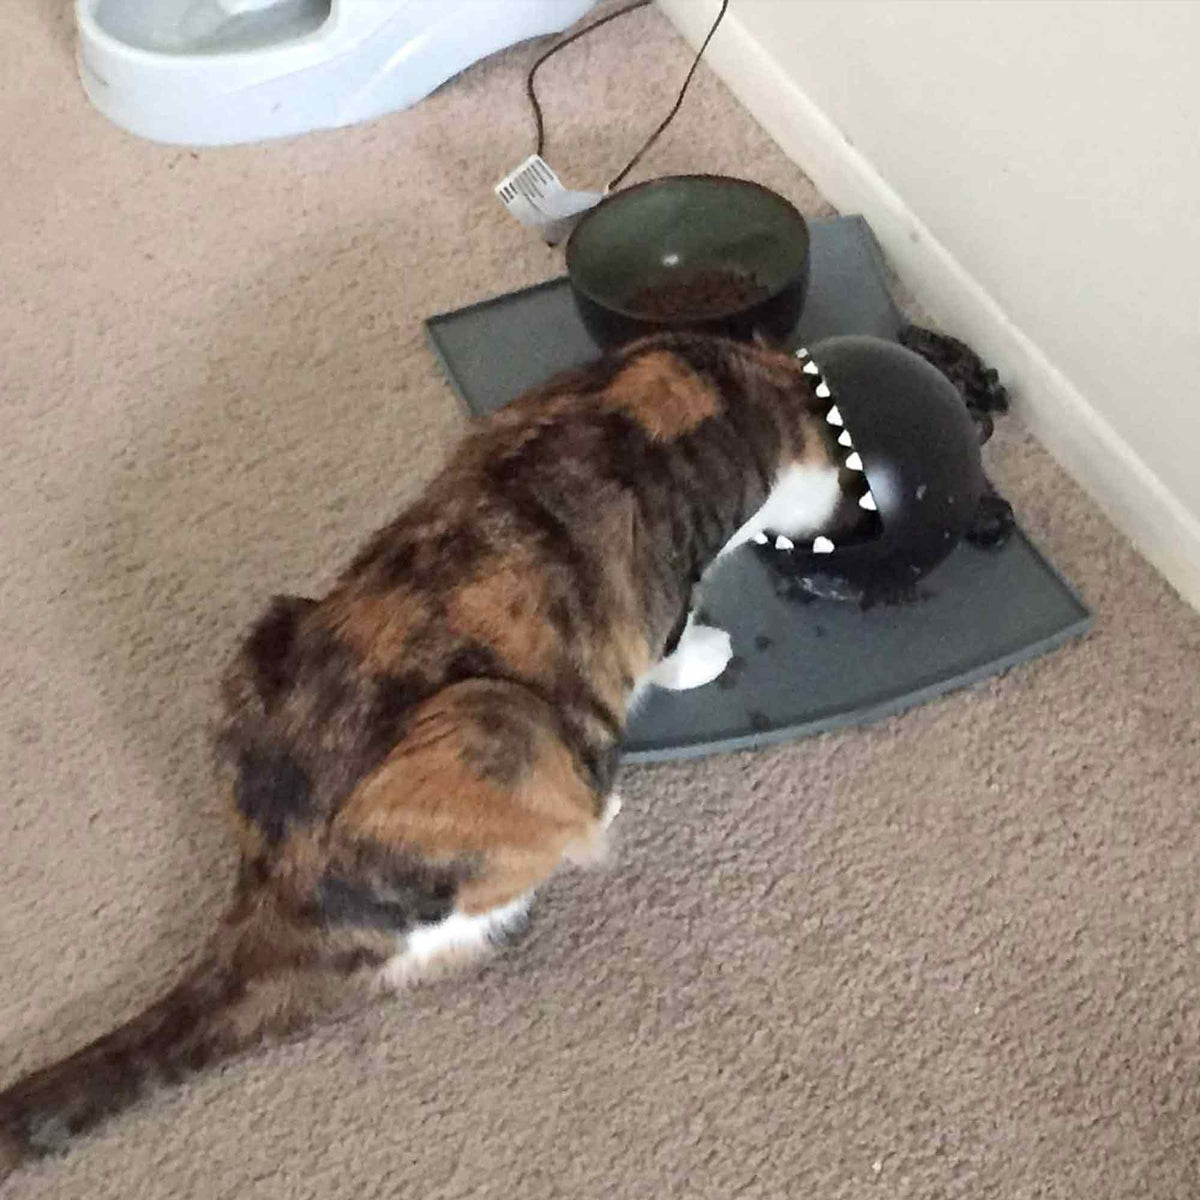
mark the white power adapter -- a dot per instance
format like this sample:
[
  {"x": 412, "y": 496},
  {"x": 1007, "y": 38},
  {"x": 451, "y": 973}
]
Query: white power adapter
[{"x": 535, "y": 195}]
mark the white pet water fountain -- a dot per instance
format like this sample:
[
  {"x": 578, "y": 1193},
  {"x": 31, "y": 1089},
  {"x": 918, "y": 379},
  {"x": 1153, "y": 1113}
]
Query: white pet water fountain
[{"x": 215, "y": 72}]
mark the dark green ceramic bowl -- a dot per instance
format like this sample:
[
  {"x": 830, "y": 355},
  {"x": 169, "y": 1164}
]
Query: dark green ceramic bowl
[{"x": 696, "y": 252}]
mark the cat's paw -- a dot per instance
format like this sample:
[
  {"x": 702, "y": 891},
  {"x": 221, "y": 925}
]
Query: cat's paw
[
  {"x": 702, "y": 655},
  {"x": 593, "y": 851},
  {"x": 612, "y": 806}
]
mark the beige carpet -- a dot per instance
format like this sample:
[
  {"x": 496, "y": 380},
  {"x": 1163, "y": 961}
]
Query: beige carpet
[{"x": 951, "y": 956}]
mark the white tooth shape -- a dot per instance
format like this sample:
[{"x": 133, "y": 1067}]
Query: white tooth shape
[
  {"x": 811, "y": 368},
  {"x": 823, "y": 391},
  {"x": 868, "y": 502},
  {"x": 760, "y": 538},
  {"x": 844, "y": 438},
  {"x": 784, "y": 543},
  {"x": 802, "y": 353},
  {"x": 854, "y": 462},
  {"x": 822, "y": 545},
  {"x": 834, "y": 416}
]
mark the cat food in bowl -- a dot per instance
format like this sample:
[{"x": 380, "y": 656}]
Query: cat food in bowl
[
  {"x": 703, "y": 294},
  {"x": 700, "y": 252}
]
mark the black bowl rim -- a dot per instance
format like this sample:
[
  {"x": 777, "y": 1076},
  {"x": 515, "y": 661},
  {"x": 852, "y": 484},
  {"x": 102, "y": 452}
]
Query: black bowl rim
[{"x": 792, "y": 211}]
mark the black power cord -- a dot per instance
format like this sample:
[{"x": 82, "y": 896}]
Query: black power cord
[
  {"x": 633, "y": 162},
  {"x": 529, "y": 90}
]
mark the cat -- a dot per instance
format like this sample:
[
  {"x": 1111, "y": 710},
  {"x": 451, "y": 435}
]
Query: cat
[{"x": 407, "y": 759}]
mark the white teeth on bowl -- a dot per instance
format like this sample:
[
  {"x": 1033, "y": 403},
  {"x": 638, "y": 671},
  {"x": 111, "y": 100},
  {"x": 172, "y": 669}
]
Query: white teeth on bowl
[
  {"x": 854, "y": 462},
  {"x": 822, "y": 545},
  {"x": 834, "y": 416},
  {"x": 784, "y": 543},
  {"x": 802, "y": 353},
  {"x": 760, "y": 538},
  {"x": 823, "y": 391},
  {"x": 844, "y": 438},
  {"x": 868, "y": 502},
  {"x": 811, "y": 368}
]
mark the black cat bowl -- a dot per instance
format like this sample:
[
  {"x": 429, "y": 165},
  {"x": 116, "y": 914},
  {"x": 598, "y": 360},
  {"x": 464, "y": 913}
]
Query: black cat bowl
[
  {"x": 910, "y": 451},
  {"x": 704, "y": 253}
]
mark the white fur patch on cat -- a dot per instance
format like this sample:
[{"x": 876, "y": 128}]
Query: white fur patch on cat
[
  {"x": 612, "y": 806},
  {"x": 801, "y": 503},
  {"x": 430, "y": 950},
  {"x": 701, "y": 655}
]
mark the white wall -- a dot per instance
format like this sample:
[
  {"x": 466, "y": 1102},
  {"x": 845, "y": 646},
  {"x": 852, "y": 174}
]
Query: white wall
[{"x": 1033, "y": 171}]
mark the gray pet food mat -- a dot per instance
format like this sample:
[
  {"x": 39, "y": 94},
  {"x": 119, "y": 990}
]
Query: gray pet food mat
[{"x": 800, "y": 668}]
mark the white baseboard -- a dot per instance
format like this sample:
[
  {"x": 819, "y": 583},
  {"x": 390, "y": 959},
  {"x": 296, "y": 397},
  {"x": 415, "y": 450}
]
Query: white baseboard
[{"x": 1132, "y": 495}]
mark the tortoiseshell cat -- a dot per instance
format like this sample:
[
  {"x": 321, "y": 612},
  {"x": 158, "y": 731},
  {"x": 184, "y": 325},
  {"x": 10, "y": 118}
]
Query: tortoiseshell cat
[{"x": 407, "y": 759}]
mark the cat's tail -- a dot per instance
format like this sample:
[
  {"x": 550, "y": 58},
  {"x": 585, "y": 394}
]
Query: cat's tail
[{"x": 260, "y": 976}]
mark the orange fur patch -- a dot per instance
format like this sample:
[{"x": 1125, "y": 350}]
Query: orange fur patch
[
  {"x": 377, "y": 624},
  {"x": 663, "y": 394},
  {"x": 500, "y": 610},
  {"x": 435, "y": 796}
]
